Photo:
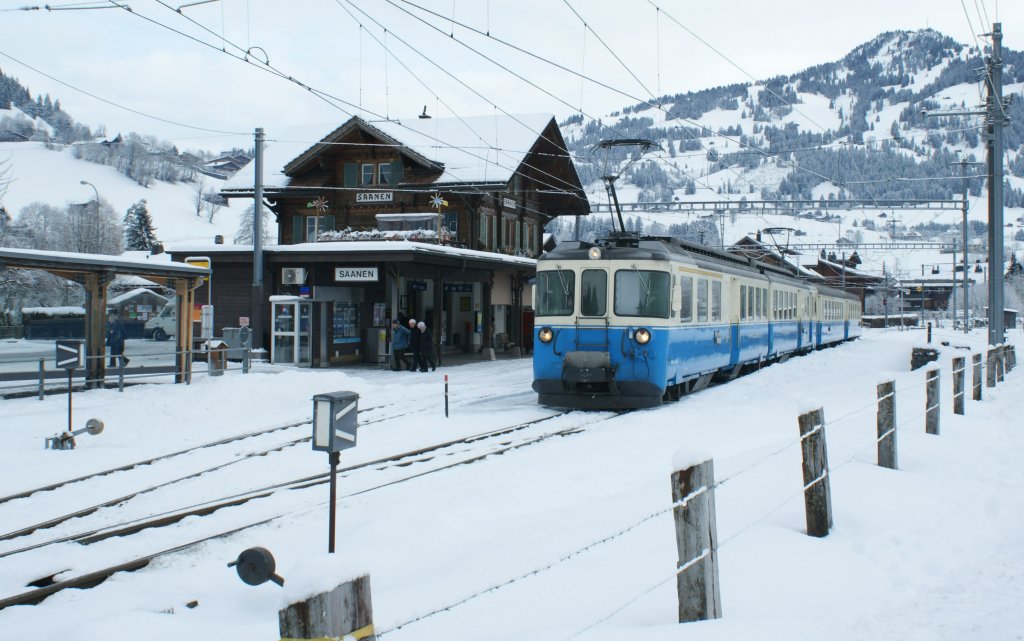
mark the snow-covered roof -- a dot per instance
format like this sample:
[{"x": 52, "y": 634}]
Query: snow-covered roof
[
  {"x": 479, "y": 149},
  {"x": 138, "y": 291},
  {"x": 360, "y": 247}
]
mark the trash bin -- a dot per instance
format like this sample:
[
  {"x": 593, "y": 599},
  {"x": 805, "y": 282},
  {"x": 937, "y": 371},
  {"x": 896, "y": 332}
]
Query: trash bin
[{"x": 216, "y": 356}]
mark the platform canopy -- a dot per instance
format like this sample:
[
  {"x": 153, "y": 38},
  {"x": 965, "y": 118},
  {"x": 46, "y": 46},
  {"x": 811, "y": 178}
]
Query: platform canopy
[{"x": 95, "y": 272}]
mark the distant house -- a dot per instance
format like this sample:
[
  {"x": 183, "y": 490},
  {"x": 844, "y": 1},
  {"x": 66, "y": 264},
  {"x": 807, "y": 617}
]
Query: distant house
[{"x": 225, "y": 166}]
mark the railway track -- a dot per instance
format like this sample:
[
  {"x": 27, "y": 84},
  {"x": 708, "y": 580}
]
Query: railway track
[
  {"x": 232, "y": 440},
  {"x": 46, "y": 585}
]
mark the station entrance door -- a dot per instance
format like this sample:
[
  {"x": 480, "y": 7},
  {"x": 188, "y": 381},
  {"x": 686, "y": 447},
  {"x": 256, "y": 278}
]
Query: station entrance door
[{"x": 292, "y": 322}]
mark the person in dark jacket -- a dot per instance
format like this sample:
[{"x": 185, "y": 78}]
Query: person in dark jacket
[
  {"x": 399, "y": 344},
  {"x": 414, "y": 344},
  {"x": 426, "y": 348},
  {"x": 115, "y": 341}
]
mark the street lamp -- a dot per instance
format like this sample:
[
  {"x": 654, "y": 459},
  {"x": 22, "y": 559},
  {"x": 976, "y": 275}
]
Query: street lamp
[{"x": 96, "y": 221}]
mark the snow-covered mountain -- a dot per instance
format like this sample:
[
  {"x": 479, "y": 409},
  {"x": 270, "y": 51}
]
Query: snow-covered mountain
[{"x": 846, "y": 129}]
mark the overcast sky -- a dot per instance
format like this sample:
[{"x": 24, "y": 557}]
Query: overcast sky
[{"x": 338, "y": 47}]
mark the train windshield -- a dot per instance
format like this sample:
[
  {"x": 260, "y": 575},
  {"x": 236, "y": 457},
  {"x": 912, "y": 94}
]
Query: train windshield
[
  {"x": 594, "y": 292},
  {"x": 641, "y": 292},
  {"x": 554, "y": 294}
]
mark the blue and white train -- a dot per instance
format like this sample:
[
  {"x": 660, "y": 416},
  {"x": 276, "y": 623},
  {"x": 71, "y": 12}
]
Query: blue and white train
[{"x": 631, "y": 322}]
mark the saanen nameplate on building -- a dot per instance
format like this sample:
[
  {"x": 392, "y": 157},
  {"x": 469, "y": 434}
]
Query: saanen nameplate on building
[
  {"x": 375, "y": 196},
  {"x": 355, "y": 274}
]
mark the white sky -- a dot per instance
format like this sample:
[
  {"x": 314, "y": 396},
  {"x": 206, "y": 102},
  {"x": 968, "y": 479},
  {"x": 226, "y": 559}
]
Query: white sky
[{"x": 127, "y": 59}]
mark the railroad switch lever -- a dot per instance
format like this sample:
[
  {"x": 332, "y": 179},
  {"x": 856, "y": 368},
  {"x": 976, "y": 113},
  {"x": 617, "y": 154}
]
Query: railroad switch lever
[
  {"x": 256, "y": 566},
  {"x": 66, "y": 440}
]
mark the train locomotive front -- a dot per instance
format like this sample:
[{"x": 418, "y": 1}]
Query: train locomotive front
[{"x": 600, "y": 334}]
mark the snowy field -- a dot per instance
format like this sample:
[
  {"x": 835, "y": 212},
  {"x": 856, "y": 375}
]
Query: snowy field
[{"x": 568, "y": 536}]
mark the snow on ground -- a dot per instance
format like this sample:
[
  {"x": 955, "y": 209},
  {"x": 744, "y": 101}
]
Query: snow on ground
[
  {"x": 929, "y": 552},
  {"x": 39, "y": 174}
]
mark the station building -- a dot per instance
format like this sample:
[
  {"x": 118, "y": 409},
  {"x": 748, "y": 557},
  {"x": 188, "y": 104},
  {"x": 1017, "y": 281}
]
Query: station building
[{"x": 434, "y": 219}]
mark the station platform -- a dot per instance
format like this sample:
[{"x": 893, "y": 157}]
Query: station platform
[{"x": 454, "y": 358}]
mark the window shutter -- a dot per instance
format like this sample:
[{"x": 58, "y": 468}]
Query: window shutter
[
  {"x": 298, "y": 229},
  {"x": 351, "y": 174},
  {"x": 397, "y": 169}
]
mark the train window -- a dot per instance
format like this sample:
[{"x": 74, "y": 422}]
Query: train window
[
  {"x": 642, "y": 293},
  {"x": 716, "y": 300},
  {"x": 750, "y": 302},
  {"x": 758, "y": 308},
  {"x": 554, "y": 293},
  {"x": 743, "y": 302},
  {"x": 685, "y": 299},
  {"x": 594, "y": 292},
  {"x": 702, "y": 300}
]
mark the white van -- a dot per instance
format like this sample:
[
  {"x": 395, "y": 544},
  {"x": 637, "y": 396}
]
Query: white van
[{"x": 163, "y": 325}]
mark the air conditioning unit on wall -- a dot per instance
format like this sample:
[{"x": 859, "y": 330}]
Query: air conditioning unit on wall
[{"x": 293, "y": 276}]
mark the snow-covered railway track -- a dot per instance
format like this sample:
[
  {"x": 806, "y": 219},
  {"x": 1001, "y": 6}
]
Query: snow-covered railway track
[
  {"x": 170, "y": 457},
  {"x": 477, "y": 447}
]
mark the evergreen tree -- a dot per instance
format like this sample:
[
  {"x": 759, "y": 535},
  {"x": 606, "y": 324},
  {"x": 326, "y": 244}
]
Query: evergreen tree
[{"x": 139, "y": 234}]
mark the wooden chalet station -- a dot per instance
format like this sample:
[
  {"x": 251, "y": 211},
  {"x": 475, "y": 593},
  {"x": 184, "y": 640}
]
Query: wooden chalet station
[{"x": 434, "y": 219}]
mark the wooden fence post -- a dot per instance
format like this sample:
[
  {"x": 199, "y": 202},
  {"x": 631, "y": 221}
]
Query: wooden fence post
[
  {"x": 693, "y": 498},
  {"x": 990, "y": 368},
  {"x": 976, "y": 364},
  {"x": 1011, "y": 357},
  {"x": 1000, "y": 362},
  {"x": 817, "y": 495},
  {"x": 931, "y": 404},
  {"x": 959, "y": 365},
  {"x": 344, "y": 611},
  {"x": 886, "y": 423}
]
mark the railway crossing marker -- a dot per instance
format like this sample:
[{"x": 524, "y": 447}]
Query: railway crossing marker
[{"x": 334, "y": 429}]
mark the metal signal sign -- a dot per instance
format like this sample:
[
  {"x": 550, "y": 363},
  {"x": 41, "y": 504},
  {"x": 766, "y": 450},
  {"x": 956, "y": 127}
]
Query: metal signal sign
[{"x": 70, "y": 354}]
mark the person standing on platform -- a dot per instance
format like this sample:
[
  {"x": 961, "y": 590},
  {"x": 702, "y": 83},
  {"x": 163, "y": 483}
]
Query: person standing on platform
[
  {"x": 414, "y": 344},
  {"x": 399, "y": 344},
  {"x": 426, "y": 348},
  {"x": 115, "y": 341}
]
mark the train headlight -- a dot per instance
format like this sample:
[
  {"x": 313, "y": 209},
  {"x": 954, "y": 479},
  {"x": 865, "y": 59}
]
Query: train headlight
[
  {"x": 594, "y": 253},
  {"x": 642, "y": 336},
  {"x": 545, "y": 334}
]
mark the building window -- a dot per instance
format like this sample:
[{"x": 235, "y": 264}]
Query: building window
[
  {"x": 384, "y": 172},
  {"x": 451, "y": 221},
  {"x": 483, "y": 230},
  {"x": 366, "y": 177}
]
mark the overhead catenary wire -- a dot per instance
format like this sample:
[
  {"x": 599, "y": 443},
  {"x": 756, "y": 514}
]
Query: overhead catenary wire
[
  {"x": 426, "y": 86},
  {"x": 116, "y": 104},
  {"x": 264, "y": 65}
]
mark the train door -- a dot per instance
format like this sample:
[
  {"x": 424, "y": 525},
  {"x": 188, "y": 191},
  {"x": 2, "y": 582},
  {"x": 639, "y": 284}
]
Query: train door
[{"x": 734, "y": 321}]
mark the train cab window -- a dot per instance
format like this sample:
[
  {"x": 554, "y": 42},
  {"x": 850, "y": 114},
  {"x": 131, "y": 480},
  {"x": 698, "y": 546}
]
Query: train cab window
[
  {"x": 716, "y": 300},
  {"x": 594, "y": 292},
  {"x": 555, "y": 293},
  {"x": 743, "y": 302},
  {"x": 685, "y": 299},
  {"x": 750, "y": 302},
  {"x": 758, "y": 309},
  {"x": 641, "y": 292},
  {"x": 702, "y": 300}
]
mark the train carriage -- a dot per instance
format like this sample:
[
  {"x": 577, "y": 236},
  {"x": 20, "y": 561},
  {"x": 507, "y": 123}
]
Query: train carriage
[{"x": 630, "y": 322}]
